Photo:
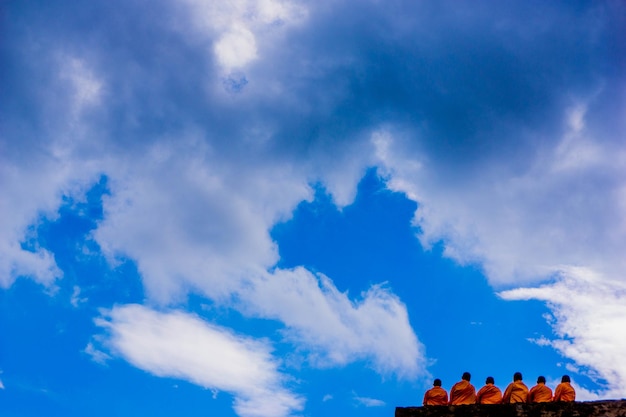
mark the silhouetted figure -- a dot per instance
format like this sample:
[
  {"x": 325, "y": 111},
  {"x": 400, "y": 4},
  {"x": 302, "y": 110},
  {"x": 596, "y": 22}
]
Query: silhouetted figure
[
  {"x": 564, "y": 391},
  {"x": 516, "y": 392},
  {"x": 489, "y": 394},
  {"x": 463, "y": 392},
  {"x": 540, "y": 393},
  {"x": 436, "y": 395}
]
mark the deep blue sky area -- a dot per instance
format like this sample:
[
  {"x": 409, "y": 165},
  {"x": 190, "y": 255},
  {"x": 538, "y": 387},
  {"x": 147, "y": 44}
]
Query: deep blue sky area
[{"x": 297, "y": 209}]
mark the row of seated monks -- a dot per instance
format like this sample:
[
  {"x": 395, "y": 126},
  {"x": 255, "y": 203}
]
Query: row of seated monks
[{"x": 463, "y": 392}]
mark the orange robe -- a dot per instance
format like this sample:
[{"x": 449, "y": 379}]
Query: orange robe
[
  {"x": 516, "y": 392},
  {"x": 564, "y": 392},
  {"x": 540, "y": 393},
  {"x": 462, "y": 393},
  {"x": 436, "y": 396},
  {"x": 489, "y": 394}
]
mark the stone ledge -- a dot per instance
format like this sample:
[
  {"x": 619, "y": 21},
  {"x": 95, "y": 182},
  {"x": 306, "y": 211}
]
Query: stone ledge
[{"x": 609, "y": 408}]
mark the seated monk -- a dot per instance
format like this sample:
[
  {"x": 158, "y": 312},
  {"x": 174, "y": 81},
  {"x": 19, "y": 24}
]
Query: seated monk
[
  {"x": 564, "y": 391},
  {"x": 540, "y": 393},
  {"x": 489, "y": 394},
  {"x": 516, "y": 392},
  {"x": 436, "y": 395},
  {"x": 463, "y": 392}
]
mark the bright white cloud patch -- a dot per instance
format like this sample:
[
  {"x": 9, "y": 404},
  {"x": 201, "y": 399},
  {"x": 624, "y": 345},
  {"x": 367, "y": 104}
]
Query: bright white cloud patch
[
  {"x": 236, "y": 48},
  {"x": 16, "y": 262},
  {"x": 34, "y": 193},
  {"x": 589, "y": 315},
  {"x": 240, "y": 25},
  {"x": 182, "y": 346},
  {"x": 337, "y": 329}
]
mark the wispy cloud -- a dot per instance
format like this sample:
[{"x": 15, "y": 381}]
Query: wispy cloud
[
  {"x": 367, "y": 402},
  {"x": 588, "y": 312},
  {"x": 76, "y": 299},
  {"x": 96, "y": 354}
]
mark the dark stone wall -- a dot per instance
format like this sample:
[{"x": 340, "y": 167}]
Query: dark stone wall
[{"x": 612, "y": 408}]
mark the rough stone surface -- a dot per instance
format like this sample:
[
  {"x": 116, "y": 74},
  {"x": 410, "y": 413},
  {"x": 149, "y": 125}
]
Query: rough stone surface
[{"x": 612, "y": 408}]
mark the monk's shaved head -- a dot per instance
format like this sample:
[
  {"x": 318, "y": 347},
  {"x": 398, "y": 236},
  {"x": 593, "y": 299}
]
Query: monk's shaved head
[
  {"x": 490, "y": 380},
  {"x": 466, "y": 376},
  {"x": 517, "y": 376},
  {"x": 565, "y": 378},
  {"x": 437, "y": 382},
  {"x": 541, "y": 379}
]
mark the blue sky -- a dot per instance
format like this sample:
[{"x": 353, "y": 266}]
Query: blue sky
[{"x": 280, "y": 208}]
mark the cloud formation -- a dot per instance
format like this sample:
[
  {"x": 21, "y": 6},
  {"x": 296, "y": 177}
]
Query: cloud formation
[
  {"x": 236, "y": 28},
  {"x": 564, "y": 208},
  {"x": 211, "y": 123},
  {"x": 180, "y": 345},
  {"x": 588, "y": 310},
  {"x": 228, "y": 253},
  {"x": 337, "y": 329},
  {"x": 368, "y": 402}
]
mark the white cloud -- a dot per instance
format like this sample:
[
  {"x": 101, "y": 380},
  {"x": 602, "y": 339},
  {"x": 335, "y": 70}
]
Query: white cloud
[
  {"x": 16, "y": 262},
  {"x": 191, "y": 220},
  {"x": 368, "y": 402},
  {"x": 236, "y": 48},
  {"x": 240, "y": 25},
  {"x": 23, "y": 209},
  {"x": 520, "y": 226},
  {"x": 337, "y": 329},
  {"x": 96, "y": 354},
  {"x": 195, "y": 223},
  {"x": 76, "y": 299},
  {"x": 583, "y": 394},
  {"x": 85, "y": 87},
  {"x": 39, "y": 168},
  {"x": 589, "y": 315},
  {"x": 180, "y": 345},
  {"x": 557, "y": 209},
  {"x": 194, "y": 220},
  {"x": 34, "y": 193},
  {"x": 576, "y": 151}
]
